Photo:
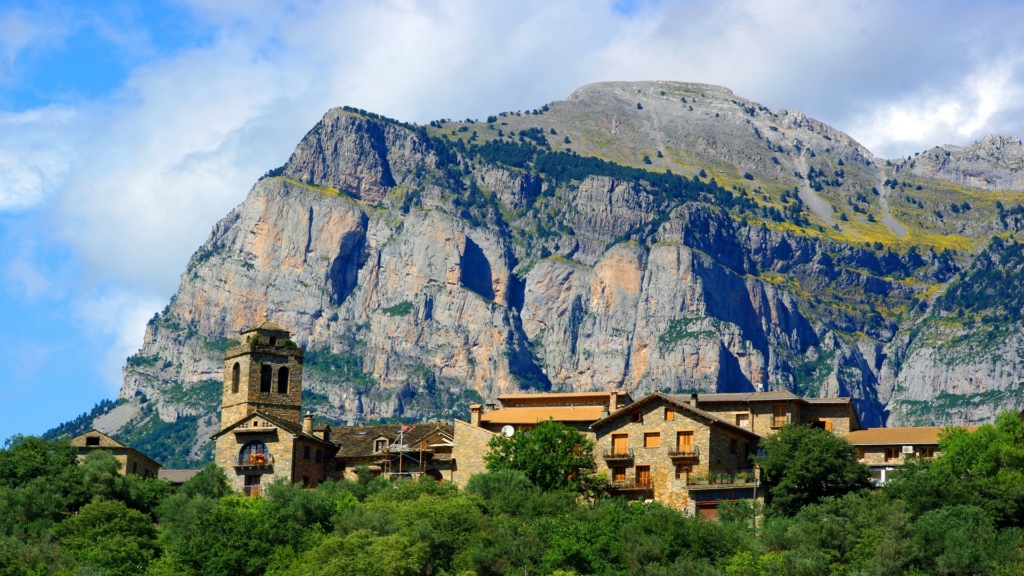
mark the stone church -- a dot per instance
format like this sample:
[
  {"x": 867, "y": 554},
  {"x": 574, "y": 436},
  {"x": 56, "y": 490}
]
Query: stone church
[{"x": 264, "y": 436}]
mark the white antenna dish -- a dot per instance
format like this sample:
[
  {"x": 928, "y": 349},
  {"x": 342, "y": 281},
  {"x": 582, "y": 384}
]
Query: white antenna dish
[{"x": 508, "y": 430}]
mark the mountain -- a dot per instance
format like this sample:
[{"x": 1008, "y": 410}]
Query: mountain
[{"x": 639, "y": 236}]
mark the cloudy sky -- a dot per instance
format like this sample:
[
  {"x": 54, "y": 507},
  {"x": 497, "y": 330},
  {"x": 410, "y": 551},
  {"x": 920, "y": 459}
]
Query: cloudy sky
[{"x": 128, "y": 128}]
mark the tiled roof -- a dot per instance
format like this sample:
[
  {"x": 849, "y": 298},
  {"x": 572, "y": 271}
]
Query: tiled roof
[
  {"x": 291, "y": 427},
  {"x": 896, "y": 436},
  {"x": 177, "y": 476},
  {"x": 845, "y": 400},
  {"x": 266, "y": 326},
  {"x": 557, "y": 395},
  {"x": 773, "y": 396},
  {"x": 534, "y": 414},
  {"x": 358, "y": 441},
  {"x": 679, "y": 402}
]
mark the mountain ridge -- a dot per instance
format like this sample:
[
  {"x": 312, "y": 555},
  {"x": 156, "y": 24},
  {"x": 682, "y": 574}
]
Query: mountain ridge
[{"x": 639, "y": 235}]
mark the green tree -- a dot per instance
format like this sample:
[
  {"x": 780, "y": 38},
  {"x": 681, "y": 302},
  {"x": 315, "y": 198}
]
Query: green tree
[
  {"x": 40, "y": 483},
  {"x": 110, "y": 536},
  {"x": 983, "y": 468},
  {"x": 553, "y": 456},
  {"x": 801, "y": 465}
]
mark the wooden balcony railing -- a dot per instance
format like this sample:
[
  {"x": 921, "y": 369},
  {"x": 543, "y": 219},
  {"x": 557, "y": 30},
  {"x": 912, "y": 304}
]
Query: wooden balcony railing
[
  {"x": 780, "y": 421},
  {"x": 251, "y": 490}
]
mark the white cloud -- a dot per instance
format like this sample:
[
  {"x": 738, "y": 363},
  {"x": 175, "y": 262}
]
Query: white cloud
[
  {"x": 35, "y": 155},
  {"x": 114, "y": 320}
]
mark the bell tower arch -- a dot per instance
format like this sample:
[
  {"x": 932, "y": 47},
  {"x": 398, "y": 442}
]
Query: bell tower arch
[{"x": 262, "y": 373}]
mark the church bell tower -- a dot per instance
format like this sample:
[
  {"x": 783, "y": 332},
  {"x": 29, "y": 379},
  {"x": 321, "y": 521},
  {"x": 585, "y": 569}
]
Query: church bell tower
[{"x": 263, "y": 373}]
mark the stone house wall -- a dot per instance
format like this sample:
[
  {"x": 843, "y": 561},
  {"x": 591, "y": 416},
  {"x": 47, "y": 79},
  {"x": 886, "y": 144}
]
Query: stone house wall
[
  {"x": 468, "y": 453},
  {"x": 667, "y": 488},
  {"x": 839, "y": 415},
  {"x": 279, "y": 443}
]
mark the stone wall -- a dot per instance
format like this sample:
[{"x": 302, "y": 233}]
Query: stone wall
[
  {"x": 839, "y": 415},
  {"x": 279, "y": 444},
  {"x": 250, "y": 357},
  {"x": 468, "y": 453}
]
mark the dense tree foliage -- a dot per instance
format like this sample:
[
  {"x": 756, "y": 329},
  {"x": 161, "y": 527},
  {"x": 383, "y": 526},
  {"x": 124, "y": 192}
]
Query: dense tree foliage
[
  {"x": 802, "y": 465},
  {"x": 958, "y": 514},
  {"x": 552, "y": 456}
]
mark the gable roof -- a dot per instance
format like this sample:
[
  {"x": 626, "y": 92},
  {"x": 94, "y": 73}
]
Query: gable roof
[
  {"x": 677, "y": 403},
  {"x": 358, "y": 441},
  {"x": 290, "y": 427},
  {"x": 897, "y": 436},
  {"x": 177, "y": 476},
  {"x": 107, "y": 442},
  {"x": 265, "y": 326},
  {"x": 535, "y": 414}
]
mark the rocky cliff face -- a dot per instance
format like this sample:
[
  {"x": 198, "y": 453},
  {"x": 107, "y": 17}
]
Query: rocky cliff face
[{"x": 425, "y": 268}]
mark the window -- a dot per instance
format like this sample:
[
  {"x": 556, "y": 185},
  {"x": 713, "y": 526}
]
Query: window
[
  {"x": 620, "y": 444},
  {"x": 618, "y": 474},
  {"x": 380, "y": 445},
  {"x": 252, "y": 486},
  {"x": 643, "y": 475},
  {"x": 319, "y": 456},
  {"x": 684, "y": 441},
  {"x": 282, "y": 380},
  {"x": 305, "y": 453},
  {"x": 743, "y": 420},
  {"x": 92, "y": 440},
  {"x": 734, "y": 446},
  {"x": 860, "y": 453},
  {"x": 254, "y": 454},
  {"x": 926, "y": 451},
  {"x": 135, "y": 467},
  {"x": 779, "y": 416},
  {"x": 652, "y": 439},
  {"x": 892, "y": 454},
  {"x": 273, "y": 341},
  {"x": 682, "y": 469},
  {"x": 638, "y": 418},
  {"x": 670, "y": 414},
  {"x": 266, "y": 373},
  {"x": 236, "y": 373}
]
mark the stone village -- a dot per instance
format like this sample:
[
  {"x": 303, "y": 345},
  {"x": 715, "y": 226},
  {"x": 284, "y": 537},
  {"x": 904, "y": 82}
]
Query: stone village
[{"x": 689, "y": 452}]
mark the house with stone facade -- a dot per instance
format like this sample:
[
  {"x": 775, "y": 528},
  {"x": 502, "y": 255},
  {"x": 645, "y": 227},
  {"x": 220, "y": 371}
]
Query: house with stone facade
[
  {"x": 403, "y": 451},
  {"x": 665, "y": 448},
  {"x": 264, "y": 437},
  {"x": 131, "y": 460},
  {"x": 885, "y": 449},
  {"x": 519, "y": 413}
]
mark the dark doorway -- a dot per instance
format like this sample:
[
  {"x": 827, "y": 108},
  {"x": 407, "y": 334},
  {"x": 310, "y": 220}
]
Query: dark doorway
[{"x": 266, "y": 375}]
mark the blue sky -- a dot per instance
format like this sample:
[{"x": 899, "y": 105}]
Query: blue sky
[{"x": 127, "y": 129}]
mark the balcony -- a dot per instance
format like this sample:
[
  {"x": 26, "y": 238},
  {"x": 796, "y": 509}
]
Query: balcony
[
  {"x": 687, "y": 454},
  {"x": 251, "y": 490},
  {"x": 741, "y": 478},
  {"x": 618, "y": 456},
  {"x": 624, "y": 486},
  {"x": 255, "y": 461}
]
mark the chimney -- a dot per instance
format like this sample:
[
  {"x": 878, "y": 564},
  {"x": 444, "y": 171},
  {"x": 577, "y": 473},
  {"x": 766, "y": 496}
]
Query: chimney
[
  {"x": 307, "y": 423},
  {"x": 693, "y": 400},
  {"x": 474, "y": 414},
  {"x": 613, "y": 401}
]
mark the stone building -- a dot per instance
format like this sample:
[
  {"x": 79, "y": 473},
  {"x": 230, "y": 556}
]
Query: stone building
[
  {"x": 397, "y": 450},
  {"x": 690, "y": 452},
  {"x": 520, "y": 413},
  {"x": 261, "y": 437},
  {"x": 665, "y": 449},
  {"x": 885, "y": 449},
  {"x": 132, "y": 461}
]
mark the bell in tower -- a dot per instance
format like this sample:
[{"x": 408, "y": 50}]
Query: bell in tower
[{"x": 262, "y": 373}]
